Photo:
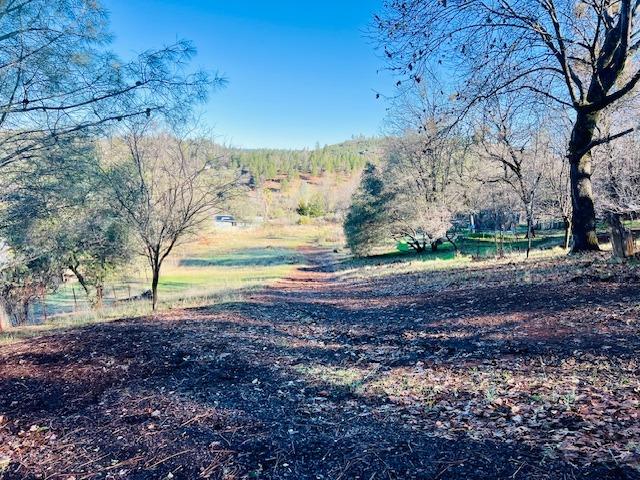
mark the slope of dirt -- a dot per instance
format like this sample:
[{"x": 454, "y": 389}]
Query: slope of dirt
[{"x": 493, "y": 372}]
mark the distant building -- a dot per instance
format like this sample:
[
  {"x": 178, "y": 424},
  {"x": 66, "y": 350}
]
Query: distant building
[{"x": 225, "y": 221}]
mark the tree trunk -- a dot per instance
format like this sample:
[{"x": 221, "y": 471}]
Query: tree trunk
[
  {"x": 621, "y": 238},
  {"x": 567, "y": 232},
  {"x": 583, "y": 222},
  {"x": 450, "y": 239},
  {"x": 99, "y": 297},
  {"x": 154, "y": 286},
  {"x": 19, "y": 312},
  {"x": 24, "y": 317},
  {"x": 81, "y": 280},
  {"x": 529, "y": 234},
  {"x": 533, "y": 232}
]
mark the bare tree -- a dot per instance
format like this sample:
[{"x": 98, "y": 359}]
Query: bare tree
[
  {"x": 514, "y": 140},
  {"x": 420, "y": 226},
  {"x": 422, "y": 184},
  {"x": 575, "y": 55},
  {"x": 617, "y": 182},
  {"x": 166, "y": 186},
  {"x": 556, "y": 196}
]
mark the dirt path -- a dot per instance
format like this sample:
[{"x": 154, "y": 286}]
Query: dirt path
[{"x": 320, "y": 377}]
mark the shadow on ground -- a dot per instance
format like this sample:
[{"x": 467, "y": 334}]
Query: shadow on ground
[{"x": 318, "y": 378}]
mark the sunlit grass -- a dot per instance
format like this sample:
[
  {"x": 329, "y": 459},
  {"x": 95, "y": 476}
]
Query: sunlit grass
[
  {"x": 218, "y": 266},
  {"x": 350, "y": 378},
  {"x": 223, "y": 265},
  {"x": 396, "y": 263}
]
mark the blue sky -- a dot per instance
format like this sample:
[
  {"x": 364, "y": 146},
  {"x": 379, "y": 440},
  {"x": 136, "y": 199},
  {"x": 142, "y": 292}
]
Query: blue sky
[{"x": 299, "y": 72}]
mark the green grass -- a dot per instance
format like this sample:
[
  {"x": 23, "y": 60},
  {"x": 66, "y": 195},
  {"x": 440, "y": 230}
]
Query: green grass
[
  {"x": 476, "y": 246},
  {"x": 632, "y": 224},
  {"x": 484, "y": 245},
  {"x": 224, "y": 265},
  {"x": 219, "y": 266},
  {"x": 473, "y": 253}
]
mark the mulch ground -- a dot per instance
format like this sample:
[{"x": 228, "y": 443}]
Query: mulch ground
[{"x": 496, "y": 372}]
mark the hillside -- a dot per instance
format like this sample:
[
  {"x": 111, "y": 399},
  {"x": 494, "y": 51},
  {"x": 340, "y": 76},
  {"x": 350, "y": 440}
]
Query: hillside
[
  {"x": 280, "y": 180},
  {"x": 346, "y": 157}
]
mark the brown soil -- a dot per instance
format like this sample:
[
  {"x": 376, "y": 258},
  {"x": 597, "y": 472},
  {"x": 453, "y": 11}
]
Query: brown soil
[{"x": 503, "y": 372}]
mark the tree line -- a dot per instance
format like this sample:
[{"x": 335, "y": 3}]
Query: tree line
[
  {"x": 572, "y": 65},
  {"x": 346, "y": 158},
  {"x": 429, "y": 188}
]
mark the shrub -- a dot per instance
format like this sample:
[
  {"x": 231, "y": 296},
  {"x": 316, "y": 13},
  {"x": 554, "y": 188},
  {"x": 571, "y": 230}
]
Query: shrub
[{"x": 313, "y": 208}]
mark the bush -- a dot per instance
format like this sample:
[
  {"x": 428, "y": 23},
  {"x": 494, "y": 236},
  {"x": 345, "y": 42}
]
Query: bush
[
  {"x": 305, "y": 220},
  {"x": 22, "y": 281},
  {"x": 313, "y": 208}
]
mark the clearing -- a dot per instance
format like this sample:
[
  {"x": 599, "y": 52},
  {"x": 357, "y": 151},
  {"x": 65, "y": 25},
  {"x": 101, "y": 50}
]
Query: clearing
[{"x": 490, "y": 369}]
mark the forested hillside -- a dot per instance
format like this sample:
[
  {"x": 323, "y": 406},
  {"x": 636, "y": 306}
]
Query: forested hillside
[
  {"x": 319, "y": 182},
  {"x": 346, "y": 157}
]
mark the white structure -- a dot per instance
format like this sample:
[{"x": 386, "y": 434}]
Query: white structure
[{"x": 224, "y": 221}]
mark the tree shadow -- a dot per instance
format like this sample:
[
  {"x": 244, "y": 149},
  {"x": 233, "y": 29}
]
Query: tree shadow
[{"x": 245, "y": 389}]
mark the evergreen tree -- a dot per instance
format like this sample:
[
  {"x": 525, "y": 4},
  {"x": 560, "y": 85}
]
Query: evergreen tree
[{"x": 364, "y": 225}]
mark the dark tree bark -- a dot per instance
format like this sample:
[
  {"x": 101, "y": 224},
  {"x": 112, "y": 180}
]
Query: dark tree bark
[
  {"x": 451, "y": 239},
  {"x": 621, "y": 237},
  {"x": 80, "y": 277},
  {"x": 583, "y": 222},
  {"x": 417, "y": 247},
  {"x": 529, "y": 235},
  {"x": 156, "y": 264}
]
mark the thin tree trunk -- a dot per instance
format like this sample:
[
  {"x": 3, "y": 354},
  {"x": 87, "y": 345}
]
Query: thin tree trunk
[
  {"x": 99, "y": 297},
  {"x": 43, "y": 305},
  {"x": 81, "y": 279},
  {"x": 567, "y": 232},
  {"x": 450, "y": 239},
  {"x": 529, "y": 234},
  {"x": 583, "y": 222}
]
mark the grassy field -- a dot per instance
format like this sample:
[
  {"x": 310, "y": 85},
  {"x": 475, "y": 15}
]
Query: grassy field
[
  {"x": 220, "y": 265},
  {"x": 224, "y": 265},
  {"x": 473, "y": 247}
]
